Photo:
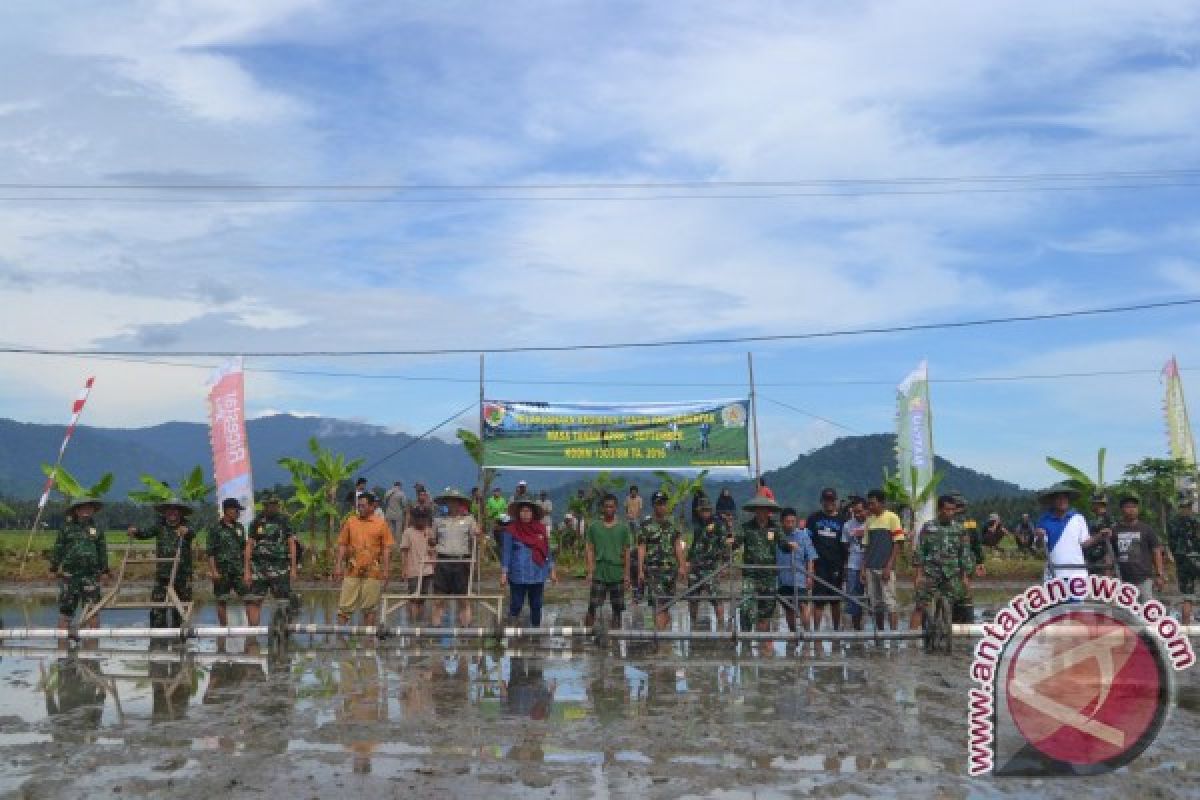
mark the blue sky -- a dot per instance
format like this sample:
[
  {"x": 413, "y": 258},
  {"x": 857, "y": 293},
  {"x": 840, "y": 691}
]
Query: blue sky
[{"x": 305, "y": 91}]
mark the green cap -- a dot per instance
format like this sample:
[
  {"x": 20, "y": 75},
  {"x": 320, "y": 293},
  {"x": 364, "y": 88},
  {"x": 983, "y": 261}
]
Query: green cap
[{"x": 84, "y": 500}]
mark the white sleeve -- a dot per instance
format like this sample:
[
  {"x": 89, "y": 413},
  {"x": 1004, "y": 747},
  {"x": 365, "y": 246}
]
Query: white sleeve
[{"x": 1078, "y": 528}]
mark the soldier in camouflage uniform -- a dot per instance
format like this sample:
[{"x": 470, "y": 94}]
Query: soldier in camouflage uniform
[
  {"x": 80, "y": 558},
  {"x": 758, "y": 539},
  {"x": 226, "y": 556},
  {"x": 709, "y": 551},
  {"x": 1183, "y": 540},
  {"x": 942, "y": 561},
  {"x": 1099, "y": 555},
  {"x": 171, "y": 535},
  {"x": 971, "y": 527},
  {"x": 269, "y": 561},
  {"x": 660, "y": 542}
]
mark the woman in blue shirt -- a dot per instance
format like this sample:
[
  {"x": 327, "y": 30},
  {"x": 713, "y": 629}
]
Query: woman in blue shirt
[{"x": 525, "y": 560}]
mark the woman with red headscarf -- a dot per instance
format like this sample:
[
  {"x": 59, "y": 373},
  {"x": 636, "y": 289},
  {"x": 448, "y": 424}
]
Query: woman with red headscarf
[{"x": 525, "y": 559}]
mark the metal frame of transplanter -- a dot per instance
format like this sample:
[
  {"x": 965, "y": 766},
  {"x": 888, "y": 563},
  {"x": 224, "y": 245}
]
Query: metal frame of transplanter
[
  {"x": 736, "y": 595},
  {"x": 494, "y": 603},
  {"x": 134, "y": 554}
]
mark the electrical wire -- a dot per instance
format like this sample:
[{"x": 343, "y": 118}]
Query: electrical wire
[{"x": 848, "y": 332}]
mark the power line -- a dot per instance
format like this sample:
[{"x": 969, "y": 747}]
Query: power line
[
  {"x": 966, "y": 379},
  {"x": 409, "y": 444},
  {"x": 809, "y": 414},
  {"x": 604, "y": 198},
  {"x": 848, "y": 332},
  {"x": 250, "y": 186}
]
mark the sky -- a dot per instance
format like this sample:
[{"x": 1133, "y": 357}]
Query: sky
[{"x": 912, "y": 94}]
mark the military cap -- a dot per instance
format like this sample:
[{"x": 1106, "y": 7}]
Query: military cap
[
  {"x": 760, "y": 503},
  {"x": 173, "y": 502},
  {"x": 84, "y": 500}
]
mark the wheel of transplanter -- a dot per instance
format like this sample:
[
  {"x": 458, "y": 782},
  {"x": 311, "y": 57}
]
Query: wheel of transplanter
[
  {"x": 942, "y": 623},
  {"x": 277, "y": 635}
]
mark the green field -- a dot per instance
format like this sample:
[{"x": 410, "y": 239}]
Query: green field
[{"x": 726, "y": 448}]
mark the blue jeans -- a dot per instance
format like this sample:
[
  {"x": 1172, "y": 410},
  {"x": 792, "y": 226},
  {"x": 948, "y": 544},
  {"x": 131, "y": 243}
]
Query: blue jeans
[
  {"x": 854, "y": 587},
  {"x": 534, "y": 592}
]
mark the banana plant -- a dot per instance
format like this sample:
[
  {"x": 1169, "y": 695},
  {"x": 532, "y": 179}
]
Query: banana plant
[
  {"x": 70, "y": 487},
  {"x": 192, "y": 489},
  {"x": 329, "y": 470},
  {"x": 1078, "y": 479},
  {"x": 474, "y": 447},
  {"x": 678, "y": 489},
  {"x": 910, "y": 494}
]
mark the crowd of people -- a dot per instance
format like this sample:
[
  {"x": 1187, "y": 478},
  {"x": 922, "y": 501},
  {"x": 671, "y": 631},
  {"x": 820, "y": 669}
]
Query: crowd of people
[{"x": 843, "y": 554}]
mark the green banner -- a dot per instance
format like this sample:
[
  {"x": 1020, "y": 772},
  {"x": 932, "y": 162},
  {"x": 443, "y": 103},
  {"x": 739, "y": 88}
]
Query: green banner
[
  {"x": 616, "y": 436},
  {"x": 914, "y": 438}
]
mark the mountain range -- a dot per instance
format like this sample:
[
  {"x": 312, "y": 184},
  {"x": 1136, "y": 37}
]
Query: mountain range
[{"x": 168, "y": 451}]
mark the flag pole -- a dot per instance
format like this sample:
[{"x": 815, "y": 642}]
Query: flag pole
[
  {"x": 754, "y": 420},
  {"x": 76, "y": 411}
]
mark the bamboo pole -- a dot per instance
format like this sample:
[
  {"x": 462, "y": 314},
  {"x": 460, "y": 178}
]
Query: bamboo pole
[{"x": 754, "y": 420}]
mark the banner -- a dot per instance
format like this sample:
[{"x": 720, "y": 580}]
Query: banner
[
  {"x": 1179, "y": 428},
  {"x": 914, "y": 438},
  {"x": 227, "y": 435},
  {"x": 616, "y": 436}
]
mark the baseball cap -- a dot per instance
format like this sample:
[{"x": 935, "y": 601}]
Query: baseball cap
[
  {"x": 658, "y": 497},
  {"x": 232, "y": 502},
  {"x": 829, "y": 493}
]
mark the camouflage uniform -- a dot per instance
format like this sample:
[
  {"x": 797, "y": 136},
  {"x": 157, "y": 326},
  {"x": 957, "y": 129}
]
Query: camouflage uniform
[
  {"x": 974, "y": 534},
  {"x": 270, "y": 559},
  {"x": 1183, "y": 538},
  {"x": 168, "y": 541},
  {"x": 660, "y": 567},
  {"x": 707, "y": 553},
  {"x": 1098, "y": 557},
  {"x": 227, "y": 547},
  {"x": 80, "y": 554},
  {"x": 945, "y": 555},
  {"x": 758, "y": 585}
]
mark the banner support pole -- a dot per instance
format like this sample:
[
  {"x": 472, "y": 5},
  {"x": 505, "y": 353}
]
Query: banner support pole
[
  {"x": 480, "y": 514},
  {"x": 754, "y": 419}
]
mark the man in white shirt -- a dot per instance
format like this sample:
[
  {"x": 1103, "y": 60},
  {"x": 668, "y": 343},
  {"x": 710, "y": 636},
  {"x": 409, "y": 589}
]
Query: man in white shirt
[{"x": 1065, "y": 532}]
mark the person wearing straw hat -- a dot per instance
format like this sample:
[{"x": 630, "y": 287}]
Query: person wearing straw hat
[
  {"x": 171, "y": 535},
  {"x": 80, "y": 560},
  {"x": 224, "y": 547},
  {"x": 457, "y": 536},
  {"x": 525, "y": 559},
  {"x": 759, "y": 537},
  {"x": 1065, "y": 532}
]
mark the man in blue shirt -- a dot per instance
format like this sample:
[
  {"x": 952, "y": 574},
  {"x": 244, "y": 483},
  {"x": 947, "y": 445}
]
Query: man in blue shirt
[{"x": 795, "y": 557}]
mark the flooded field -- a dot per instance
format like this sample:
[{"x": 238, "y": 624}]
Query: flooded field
[{"x": 437, "y": 720}]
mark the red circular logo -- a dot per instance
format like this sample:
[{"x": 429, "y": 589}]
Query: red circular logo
[{"x": 1086, "y": 688}]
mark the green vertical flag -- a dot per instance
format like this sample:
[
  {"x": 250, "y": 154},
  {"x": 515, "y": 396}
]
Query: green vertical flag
[{"x": 914, "y": 440}]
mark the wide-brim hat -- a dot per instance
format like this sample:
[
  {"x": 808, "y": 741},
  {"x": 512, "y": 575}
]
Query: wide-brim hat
[
  {"x": 761, "y": 503},
  {"x": 1059, "y": 488},
  {"x": 85, "y": 500},
  {"x": 174, "y": 502},
  {"x": 515, "y": 506},
  {"x": 450, "y": 493}
]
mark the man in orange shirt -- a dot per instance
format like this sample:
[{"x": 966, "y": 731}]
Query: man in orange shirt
[{"x": 365, "y": 547}]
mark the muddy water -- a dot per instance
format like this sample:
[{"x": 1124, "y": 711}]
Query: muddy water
[{"x": 436, "y": 720}]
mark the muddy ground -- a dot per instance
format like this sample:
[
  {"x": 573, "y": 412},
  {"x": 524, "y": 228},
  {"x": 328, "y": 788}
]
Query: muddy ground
[{"x": 433, "y": 720}]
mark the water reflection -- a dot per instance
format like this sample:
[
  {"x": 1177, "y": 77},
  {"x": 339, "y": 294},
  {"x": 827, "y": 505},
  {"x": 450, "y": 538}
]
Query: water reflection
[{"x": 75, "y": 696}]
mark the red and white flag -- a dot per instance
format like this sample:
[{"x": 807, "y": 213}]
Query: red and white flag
[{"x": 76, "y": 410}]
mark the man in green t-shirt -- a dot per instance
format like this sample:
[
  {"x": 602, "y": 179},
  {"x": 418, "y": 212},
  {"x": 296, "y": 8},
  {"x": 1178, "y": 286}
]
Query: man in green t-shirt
[{"x": 608, "y": 543}]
